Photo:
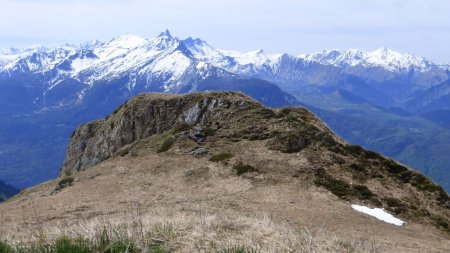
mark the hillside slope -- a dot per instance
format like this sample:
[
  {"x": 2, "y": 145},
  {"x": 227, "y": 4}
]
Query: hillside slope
[{"x": 220, "y": 169}]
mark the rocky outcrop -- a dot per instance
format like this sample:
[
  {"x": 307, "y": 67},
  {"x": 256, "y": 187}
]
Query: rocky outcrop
[{"x": 146, "y": 115}]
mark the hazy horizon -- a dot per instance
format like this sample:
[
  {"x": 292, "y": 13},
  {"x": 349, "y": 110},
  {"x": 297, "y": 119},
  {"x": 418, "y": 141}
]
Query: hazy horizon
[{"x": 294, "y": 27}]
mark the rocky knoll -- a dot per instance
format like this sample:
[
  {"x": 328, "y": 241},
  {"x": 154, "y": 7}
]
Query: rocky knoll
[
  {"x": 150, "y": 114},
  {"x": 196, "y": 123}
]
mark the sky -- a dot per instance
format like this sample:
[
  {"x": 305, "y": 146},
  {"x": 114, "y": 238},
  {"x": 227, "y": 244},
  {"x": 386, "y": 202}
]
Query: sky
[{"x": 420, "y": 27}]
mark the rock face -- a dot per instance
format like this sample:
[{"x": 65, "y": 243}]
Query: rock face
[{"x": 146, "y": 115}]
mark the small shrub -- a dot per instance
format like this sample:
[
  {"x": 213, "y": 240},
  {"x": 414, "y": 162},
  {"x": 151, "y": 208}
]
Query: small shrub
[
  {"x": 393, "y": 202},
  {"x": 405, "y": 176},
  {"x": 357, "y": 168},
  {"x": 241, "y": 168},
  {"x": 283, "y": 112},
  {"x": 396, "y": 205},
  {"x": 221, "y": 157},
  {"x": 65, "y": 182},
  {"x": 425, "y": 184},
  {"x": 343, "y": 189},
  {"x": 181, "y": 127},
  {"x": 354, "y": 150},
  {"x": 338, "y": 187},
  {"x": 208, "y": 131},
  {"x": 289, "y": 142},
  {"x": 363, "y": 192},
  {"x": 393, "y": 167},
  {"x": 275, "y": 133},
  {"x": 166, "y": 145},
  {"x": 372, "y": 155}
]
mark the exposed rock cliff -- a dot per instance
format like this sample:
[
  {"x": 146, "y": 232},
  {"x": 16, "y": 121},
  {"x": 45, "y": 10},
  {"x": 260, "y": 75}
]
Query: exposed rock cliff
[{"x": 150, "y": 114}]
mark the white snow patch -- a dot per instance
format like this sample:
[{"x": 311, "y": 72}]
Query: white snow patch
[
  {"x": 80, "y": 64},
  {"x": 379, "y": 213}
]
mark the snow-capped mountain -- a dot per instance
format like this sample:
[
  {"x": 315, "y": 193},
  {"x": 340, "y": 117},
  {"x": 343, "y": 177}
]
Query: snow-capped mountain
[
  {"x": 169, "y": 64},
  {"x": 382, "y": 57},
  {"x": 129, "y": 64}
]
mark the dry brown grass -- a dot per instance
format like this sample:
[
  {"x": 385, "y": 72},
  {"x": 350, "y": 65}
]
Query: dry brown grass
[
  {"x": 163, "y": 195},
  {"x": 200, "y": 230}
]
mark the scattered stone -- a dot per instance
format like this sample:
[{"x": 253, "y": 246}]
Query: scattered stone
[
  {"x": 132, "y": 152},
  {"x": 200, "y": 151},
  {"x": 243, "y": 103},
  {"x": 224, "y": 103},
  {"x": 198, "y": 135}
]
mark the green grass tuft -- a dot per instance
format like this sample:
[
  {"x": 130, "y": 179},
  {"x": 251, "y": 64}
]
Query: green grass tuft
[
  {"x": 221, "y": 157},
  {"x": 166, "y": 145},
  {"x": 241, "y": 168}
]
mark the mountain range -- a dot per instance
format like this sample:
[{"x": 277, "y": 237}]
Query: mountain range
[{"x": 391, "y": 102}]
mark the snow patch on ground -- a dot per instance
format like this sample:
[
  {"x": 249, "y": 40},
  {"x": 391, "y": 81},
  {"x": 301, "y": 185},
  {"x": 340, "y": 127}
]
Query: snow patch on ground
[{"x": 379, "y": 213}]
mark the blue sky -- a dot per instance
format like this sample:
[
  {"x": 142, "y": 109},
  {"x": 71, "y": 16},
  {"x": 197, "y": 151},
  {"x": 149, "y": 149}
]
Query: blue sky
[{"x": 292, "y": 26}]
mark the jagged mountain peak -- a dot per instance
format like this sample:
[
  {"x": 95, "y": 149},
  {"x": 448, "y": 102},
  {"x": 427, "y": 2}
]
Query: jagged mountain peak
[
  {"x": 190, "y": 40},
  {"x": 163, "y": 41},
  {"x": 237, "y": 62},
  {"x": 91, "y": 44},
  {"x": 165, "y": 33}
]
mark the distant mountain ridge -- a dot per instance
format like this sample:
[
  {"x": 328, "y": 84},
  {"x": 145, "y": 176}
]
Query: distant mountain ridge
[{"x": 168, "y": 64}]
